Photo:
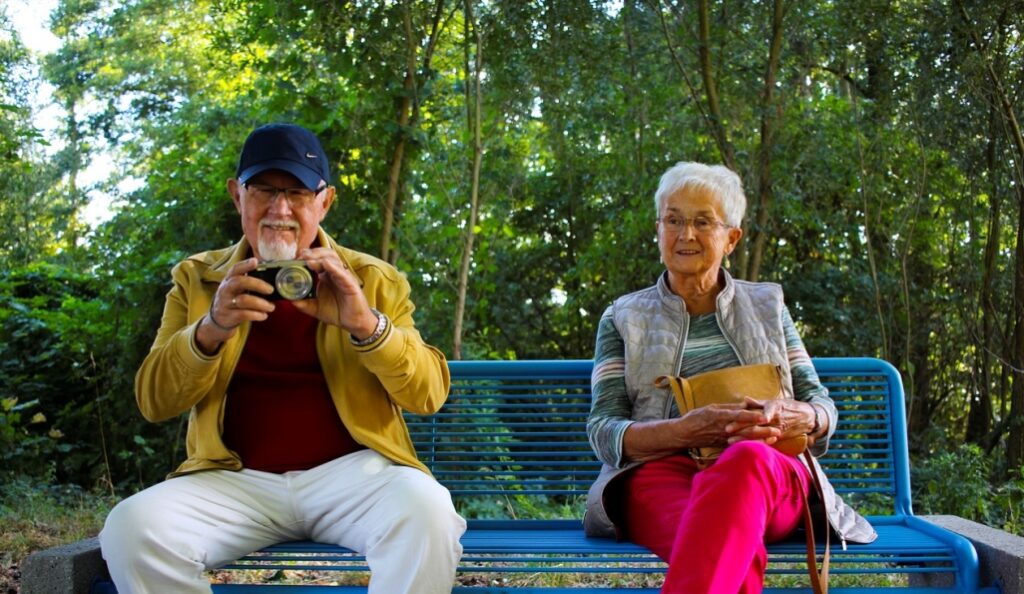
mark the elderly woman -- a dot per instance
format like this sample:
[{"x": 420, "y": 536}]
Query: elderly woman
[{"x": 710, "y": 525}]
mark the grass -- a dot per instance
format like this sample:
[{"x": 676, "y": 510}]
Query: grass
[
  {"x": 36, "y": 516},
  {"x": 508, "y": 573},
  {"x": 535, "y": 579}
]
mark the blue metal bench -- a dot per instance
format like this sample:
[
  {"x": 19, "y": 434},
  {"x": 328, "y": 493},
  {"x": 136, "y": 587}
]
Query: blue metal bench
[{"x": 511, "y": 446}]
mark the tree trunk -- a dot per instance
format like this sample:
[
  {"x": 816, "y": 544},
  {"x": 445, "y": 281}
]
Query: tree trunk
[
  {"x": 473, "y": 115},
  {"x": 725, "y": 148},
  {"x": 979, "y": 415},
  {"x": 924, "y": 404},
  {"x": 707, "y": 74},
  {"x": 869, "y": 232},
  {"x": 712, "y": 114},
  {"x": 769, "y": 114},
  {"x": 398, "y": 152},
  {"x": 408, "y": 115},
  {"x": 640, "y": 124}
]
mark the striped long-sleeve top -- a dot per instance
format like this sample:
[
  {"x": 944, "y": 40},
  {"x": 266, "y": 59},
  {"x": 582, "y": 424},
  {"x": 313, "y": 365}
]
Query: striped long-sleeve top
[{"x": 707, "y": 349}]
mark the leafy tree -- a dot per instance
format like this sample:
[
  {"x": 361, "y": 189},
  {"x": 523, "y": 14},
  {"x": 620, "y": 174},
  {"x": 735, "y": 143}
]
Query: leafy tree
[
  {"x": 876, "y": 146},
  {"x": 35, "y": 219}
]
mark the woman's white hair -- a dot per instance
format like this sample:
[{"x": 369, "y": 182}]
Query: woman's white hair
[{"x": 720, "y": 180}]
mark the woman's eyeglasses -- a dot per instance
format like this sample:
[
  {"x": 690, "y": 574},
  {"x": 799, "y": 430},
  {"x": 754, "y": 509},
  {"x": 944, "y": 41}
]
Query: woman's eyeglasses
[{"x": 701, "y": 225}]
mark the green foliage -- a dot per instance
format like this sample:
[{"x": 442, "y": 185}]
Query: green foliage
[
  {"x": 36, "y": 212},
  {"x": 963, "y": 482},
  {"x": 512, "y": 506},
  {"x": 61, "y": 359},
  {"x": 20, "y": 440},
  {"x": 888, "y": 168},
  {"x": 969, "y": 496},
  {"x": 41, "y": 362},
  {"x": 1009, "y": 503}
]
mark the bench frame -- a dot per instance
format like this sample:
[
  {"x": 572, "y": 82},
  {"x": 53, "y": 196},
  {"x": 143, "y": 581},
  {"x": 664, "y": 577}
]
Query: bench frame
[{"x": 512, "y": 438}]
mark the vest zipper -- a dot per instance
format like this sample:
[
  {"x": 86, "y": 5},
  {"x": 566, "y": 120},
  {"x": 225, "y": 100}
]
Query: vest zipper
[
  {"x": 728, "y": 339},
  {"x": 680, "y": 348}
]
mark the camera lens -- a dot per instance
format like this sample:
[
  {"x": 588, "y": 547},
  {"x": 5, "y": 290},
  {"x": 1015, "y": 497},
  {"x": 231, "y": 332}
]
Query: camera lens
[{"x": 294, "y": 282}]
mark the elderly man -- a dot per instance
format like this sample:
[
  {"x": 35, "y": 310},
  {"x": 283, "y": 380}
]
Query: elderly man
[{"x": 294, "y": 398}]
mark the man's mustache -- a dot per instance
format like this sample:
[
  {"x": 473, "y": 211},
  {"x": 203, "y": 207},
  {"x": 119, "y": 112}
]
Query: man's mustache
[{"x": 272, "y": 223}]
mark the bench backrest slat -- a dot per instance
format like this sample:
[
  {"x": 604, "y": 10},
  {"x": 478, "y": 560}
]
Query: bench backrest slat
[{"x": 518, "y": 428}]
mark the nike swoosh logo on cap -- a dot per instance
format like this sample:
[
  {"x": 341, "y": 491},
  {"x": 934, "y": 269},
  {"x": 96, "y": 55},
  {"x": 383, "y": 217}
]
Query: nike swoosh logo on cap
[{"x": 310, "y": 156}]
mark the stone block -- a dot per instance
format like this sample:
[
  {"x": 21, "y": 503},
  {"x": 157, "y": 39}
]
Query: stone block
[
  {"x": 1000, "y": 554},
  {"x": 69, "y": 569}
]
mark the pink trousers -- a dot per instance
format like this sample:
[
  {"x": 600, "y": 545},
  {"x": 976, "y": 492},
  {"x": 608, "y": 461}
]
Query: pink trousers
[{"x": 711, "y": 527}]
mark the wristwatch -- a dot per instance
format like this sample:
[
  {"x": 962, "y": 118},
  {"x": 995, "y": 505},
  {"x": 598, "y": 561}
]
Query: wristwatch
[
  {"x": 382, "y": 324},
  {"x": 817, "y": 419}
]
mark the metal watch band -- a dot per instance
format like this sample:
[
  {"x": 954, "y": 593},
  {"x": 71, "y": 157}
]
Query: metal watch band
[{"x": 382, "y": 324}]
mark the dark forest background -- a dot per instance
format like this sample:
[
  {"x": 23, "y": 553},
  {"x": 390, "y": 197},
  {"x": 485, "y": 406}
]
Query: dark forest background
[{"x": 504, "y": 155}]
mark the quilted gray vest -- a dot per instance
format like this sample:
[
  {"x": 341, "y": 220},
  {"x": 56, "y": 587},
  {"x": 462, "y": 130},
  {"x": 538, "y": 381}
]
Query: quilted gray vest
[{"x": 653, "y": 323}]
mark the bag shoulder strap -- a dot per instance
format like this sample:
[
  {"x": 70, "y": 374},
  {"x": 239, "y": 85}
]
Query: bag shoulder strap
[
  {"x": 681, "y": 390},
  {"x": 819, "y": 580}
]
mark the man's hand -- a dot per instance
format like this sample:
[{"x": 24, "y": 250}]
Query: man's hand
[
  {"x": 233, "y": 304},
  {"x": 339, "y": 298}
]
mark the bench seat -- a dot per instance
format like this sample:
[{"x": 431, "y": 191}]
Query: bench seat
[{"x": 560, "y": 546}]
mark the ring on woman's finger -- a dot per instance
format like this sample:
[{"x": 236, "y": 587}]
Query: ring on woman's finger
[{"x": 234, "y": 301}]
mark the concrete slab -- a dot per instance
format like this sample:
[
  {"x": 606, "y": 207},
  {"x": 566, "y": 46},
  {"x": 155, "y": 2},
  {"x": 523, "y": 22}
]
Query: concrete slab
[
  {"x": 69, "y": 569},
  {"x": 1000, "y": 553}
]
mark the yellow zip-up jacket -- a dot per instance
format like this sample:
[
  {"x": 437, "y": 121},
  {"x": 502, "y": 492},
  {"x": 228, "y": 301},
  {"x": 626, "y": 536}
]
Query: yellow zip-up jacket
[{"x": 370, "y": 385}]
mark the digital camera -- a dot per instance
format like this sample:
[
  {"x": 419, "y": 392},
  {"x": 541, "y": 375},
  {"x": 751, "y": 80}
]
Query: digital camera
[{"x": 291, "y": 279}]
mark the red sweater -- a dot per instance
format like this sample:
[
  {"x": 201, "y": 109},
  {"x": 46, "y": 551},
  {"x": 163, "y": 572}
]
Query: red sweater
[{"x": 279, "y": 414}]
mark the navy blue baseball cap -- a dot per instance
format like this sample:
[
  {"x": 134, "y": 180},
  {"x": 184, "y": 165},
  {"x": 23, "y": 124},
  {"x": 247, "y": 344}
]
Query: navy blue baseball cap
[{"x": 286, "y": 147}]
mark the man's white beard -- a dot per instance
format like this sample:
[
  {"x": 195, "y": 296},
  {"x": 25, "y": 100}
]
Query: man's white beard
[{"x": 277, "y": 250}]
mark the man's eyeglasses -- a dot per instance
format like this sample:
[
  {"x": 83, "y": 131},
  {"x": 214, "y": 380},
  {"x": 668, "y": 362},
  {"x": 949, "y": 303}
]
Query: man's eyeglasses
[
  {"x": 296, "y": 197},
  {"x": 701, "y": 225}
]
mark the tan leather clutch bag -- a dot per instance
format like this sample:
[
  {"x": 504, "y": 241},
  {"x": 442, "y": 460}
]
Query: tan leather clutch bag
[{"x": 760, "y": 382}]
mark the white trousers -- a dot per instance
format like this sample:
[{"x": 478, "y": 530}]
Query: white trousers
[{"x": 163, "y": 538}]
